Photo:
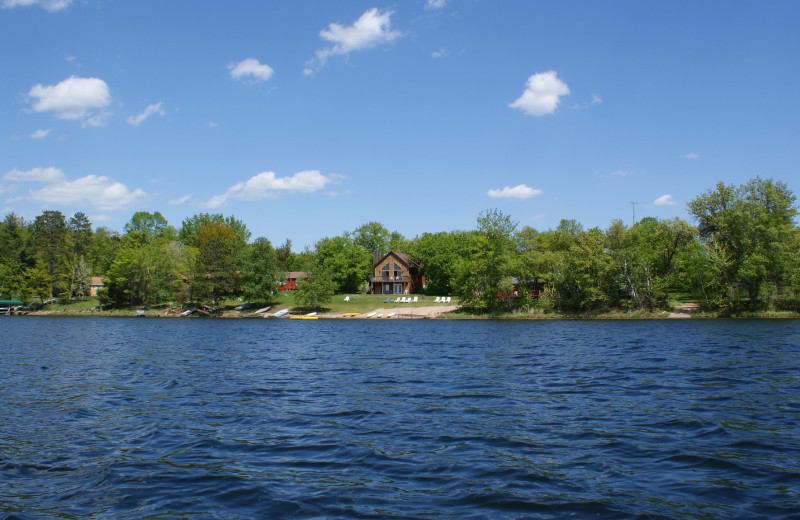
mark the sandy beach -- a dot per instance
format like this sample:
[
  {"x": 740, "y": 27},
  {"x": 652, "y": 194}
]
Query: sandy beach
[{"x": 397, "y": 313}]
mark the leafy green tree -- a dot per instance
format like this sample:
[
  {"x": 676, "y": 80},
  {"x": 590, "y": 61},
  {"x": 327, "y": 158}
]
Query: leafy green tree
[
  {"x": 12, "y": 280},
  {"x": 282, "y": 254},
  {"x": 14, "y": 256},
  {"x": 348, "y": 263},
  {"x": 439, "y": 255},
  {"x": 490, "y": 260},
  {"x": 13, "y": 239},
  {"x": 191, "y": 226},
  {"x": 145, "y": 227},
  {"x": 144, "y": 275},
  {"x": 748, "y": 232},
  {"x": 37, "y": 280},
  {"x": 49, "y": 233},
  {"x": 372, "y": 236},
  {"x": 82, "y": 279},
  {"x": 102, "y": 249},
  {"x": 260, "y": 272},
  {"x": 79, "y": 231},
  {"x": 219, "y": 260},
  {"x": 316, "y": 289}
]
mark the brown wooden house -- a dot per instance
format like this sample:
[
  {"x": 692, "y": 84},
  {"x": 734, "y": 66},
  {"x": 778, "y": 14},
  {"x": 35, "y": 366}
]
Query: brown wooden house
[
  {"x": 395, "y": 273},
  {"x": 290, "y": 284}
]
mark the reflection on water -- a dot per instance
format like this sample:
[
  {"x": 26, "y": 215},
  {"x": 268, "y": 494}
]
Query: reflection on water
[{"x": 425, "y": 419}]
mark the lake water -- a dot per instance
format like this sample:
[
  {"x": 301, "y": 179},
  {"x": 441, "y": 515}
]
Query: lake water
[{"x": 202, "y": 419}]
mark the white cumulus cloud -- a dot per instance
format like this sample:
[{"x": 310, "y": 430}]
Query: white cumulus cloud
[
  {"x": 435, "y": 4},
  {"x": 176, "y": 202},
  {"x": 250, "y": 69},
  {"x": 94, "y": 191},
  {"x": 664, "y": 200},
  {"x": 50, "y": 5},
  {"x": 267, "y": 184},
  {"x": 692, "y": 156},
  {"x": 49, "y": 174},
  {"x": 542, "y": 94},
  {"x": 520, "y": 191},
  {"x": 373, "y": 28},
  {"x": 41, "y": 133},
  {"x": 73, "y": 98},
  {"x": 155, "y": 108}
]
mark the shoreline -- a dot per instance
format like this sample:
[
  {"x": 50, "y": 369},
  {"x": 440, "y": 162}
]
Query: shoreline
[{"x": 429, "y": 312}]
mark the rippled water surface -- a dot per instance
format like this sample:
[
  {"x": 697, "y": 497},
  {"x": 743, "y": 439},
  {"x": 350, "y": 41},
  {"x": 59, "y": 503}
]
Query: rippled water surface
[{"x": 127, "y": 418}]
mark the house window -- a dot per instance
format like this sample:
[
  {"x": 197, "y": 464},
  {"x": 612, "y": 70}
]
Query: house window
[
  {"x": 397, "y": 270},
  {"x": 385, "y": 271}
]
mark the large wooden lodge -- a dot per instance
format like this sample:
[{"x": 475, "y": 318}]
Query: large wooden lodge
[{"x": 395, "y": 273}]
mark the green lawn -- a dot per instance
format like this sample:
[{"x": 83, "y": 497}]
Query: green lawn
[{"x": 361, "y": 303}]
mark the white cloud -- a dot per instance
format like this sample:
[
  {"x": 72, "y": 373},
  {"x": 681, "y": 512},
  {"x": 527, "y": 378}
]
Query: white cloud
[
  {"x": 542, "y": 94},
  {"x": 621, "y": 173},
  {"x": 441, "y": 53},
  {"x": 41, "y": 134},
  {"x": 94, "y": 191},
  {"x": 49, "y": 174},
  {"x": 370, "y": 30},
  {"x": 251, "y": 69},
  {"x": 155, "y": 108},
  {"x": 50, "y": 5},
  {"x": 90, "y": 191},
  {"x": 266, "y": 184},
  {"x": 176, "y": 202},
  {"x": 692, "y": 156},
  {"x": 73, "y": 98},
  {"x": 435, "y": 4},
  {"x": 517, "y": 192},
  {"x": 664, "y": 200},
  {"x": 596, "y": 99}
]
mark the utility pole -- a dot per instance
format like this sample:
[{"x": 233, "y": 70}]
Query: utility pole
[{"x": 633, "y": 206}]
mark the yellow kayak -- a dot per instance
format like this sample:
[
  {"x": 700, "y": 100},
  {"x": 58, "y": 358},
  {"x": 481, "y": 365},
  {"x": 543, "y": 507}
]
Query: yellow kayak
[{"x": 303, "y": 317}]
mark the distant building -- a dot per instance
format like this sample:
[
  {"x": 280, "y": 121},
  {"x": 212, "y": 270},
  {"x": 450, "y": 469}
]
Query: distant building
[
  {"x": 95, "y": 285},
  {"x": 395, "y": 273},
  {"x": 290, "y": 284}
]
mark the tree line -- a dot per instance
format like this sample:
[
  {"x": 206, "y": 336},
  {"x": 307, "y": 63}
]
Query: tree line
[{"x": 742, "y": 255}]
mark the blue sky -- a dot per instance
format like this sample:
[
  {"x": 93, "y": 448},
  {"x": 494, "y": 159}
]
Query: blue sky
[{"x": 308, "y": 118}]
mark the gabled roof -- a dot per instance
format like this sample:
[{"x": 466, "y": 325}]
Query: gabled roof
[
  {"x": 404, "y": 259},
  {"x": 296, "y": 274}
]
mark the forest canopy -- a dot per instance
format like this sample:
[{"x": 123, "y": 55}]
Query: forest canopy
[{"x": 739, "y": 254}]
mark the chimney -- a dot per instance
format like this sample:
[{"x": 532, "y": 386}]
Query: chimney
[{"x": 376, "y": 257}]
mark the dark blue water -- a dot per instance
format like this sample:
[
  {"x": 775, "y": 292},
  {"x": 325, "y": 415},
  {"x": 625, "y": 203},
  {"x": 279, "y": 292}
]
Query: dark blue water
[{"x": 126, "y": 418}]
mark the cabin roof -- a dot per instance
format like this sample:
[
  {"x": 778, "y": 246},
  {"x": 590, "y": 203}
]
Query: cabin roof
[{"x": 400, "y": 256}]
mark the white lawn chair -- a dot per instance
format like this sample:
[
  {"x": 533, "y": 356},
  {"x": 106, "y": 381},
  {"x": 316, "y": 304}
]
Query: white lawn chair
[
  {"x": 347, "y": 298},
  {"x": 415, "y": 300},
  {"x": 397, "y": 300},
  {"x": 448, "y": 300},
  {"x": 437, "y": 300}
]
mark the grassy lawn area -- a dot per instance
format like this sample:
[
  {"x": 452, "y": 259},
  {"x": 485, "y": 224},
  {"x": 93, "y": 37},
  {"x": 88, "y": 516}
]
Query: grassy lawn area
[{"x": 360, "y": 303}]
